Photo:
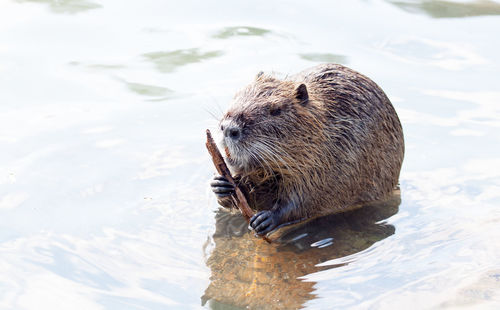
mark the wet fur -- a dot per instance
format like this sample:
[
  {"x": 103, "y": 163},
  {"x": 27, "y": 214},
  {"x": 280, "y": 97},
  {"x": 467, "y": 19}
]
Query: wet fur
[{"x": 340, "y": 147}]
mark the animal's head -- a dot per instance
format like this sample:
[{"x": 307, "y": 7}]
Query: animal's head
[{"x": 268, "y": 125}]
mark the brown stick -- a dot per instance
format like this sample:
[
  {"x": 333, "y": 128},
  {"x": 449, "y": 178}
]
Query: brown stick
[{"x": 240, "y": 200}]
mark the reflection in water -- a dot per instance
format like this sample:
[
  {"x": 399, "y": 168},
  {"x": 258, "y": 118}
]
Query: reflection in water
[
  {"x": 229, "y": 32},
  {"x": 169, "y": 61},
  {"x": 98, "y": 66},
  {"x": 326, "y": 57},
  {"x": 450, "y": 9},
  {"x": 67, "y": 6},
  {"x": 148, "y": 90},
  {"x": 247, "y": 272}
]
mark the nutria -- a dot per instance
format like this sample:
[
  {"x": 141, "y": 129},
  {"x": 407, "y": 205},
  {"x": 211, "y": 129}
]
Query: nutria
[{"x": 323, "y": 141}]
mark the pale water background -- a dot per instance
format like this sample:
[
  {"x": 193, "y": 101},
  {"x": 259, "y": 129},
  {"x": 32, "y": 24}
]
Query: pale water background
[{"x": 104, "y": 198}]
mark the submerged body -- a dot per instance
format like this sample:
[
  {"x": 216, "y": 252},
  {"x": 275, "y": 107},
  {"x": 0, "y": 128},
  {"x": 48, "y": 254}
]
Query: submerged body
[{"x": 322, "y": 141}]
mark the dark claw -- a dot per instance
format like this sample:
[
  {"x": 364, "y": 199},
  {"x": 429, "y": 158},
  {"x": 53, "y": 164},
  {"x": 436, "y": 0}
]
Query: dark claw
[
  {"x": 221, "y": 187},
  {"x": 221, "y": 184},
  {"x": 264, "y": 222},
  {"x": 254, "y": 217},
  {"x": 222, "y": 190},
  {"x": 266, "y": 231}
]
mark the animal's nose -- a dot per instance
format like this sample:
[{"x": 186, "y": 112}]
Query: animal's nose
[{"x": 232, "y": 132}]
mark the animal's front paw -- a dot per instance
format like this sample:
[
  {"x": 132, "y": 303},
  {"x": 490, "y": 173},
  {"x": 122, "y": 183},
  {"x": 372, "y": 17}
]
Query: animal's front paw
[
  {"x": 221, "y": 187},
  {"x": 264, "y": 222}
]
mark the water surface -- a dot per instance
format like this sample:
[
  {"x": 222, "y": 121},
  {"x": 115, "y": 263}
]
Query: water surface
[{"x": 104, "y": 198}]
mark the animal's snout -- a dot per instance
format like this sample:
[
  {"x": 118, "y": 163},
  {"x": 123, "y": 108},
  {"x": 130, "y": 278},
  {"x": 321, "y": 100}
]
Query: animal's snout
[{"x": 232, "y": 132}]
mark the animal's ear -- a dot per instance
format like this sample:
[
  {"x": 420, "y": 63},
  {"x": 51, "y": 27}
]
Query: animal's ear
[
  {"x": 261, "y": 73},
  {"x": 301, "y": 94}
]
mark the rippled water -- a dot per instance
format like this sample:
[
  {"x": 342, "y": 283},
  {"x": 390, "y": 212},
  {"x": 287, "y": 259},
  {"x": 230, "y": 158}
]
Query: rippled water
[{"x": 104, "y": 199}]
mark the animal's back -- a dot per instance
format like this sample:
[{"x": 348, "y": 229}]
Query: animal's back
[{"x": 365, "y": 146}]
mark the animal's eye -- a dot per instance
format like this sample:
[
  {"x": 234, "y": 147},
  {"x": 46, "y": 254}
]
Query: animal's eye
[{"x": 275, "y": 111}]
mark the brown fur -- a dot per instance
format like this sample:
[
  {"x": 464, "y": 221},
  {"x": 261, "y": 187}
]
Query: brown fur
[{"x": 324, "y": 150}]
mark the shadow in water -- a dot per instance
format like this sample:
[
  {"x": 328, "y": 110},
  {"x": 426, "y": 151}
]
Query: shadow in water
[
  {"x": 324, "y": 57},
  {"x": 450, "y": 9},
  {"x": 249, "y": 273},
  {"x": 152, "y": 91},
  {"x": 67, "y": 6},
  {"x": 238, "y": 31},
  {"x": 167, "y": 62}
]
